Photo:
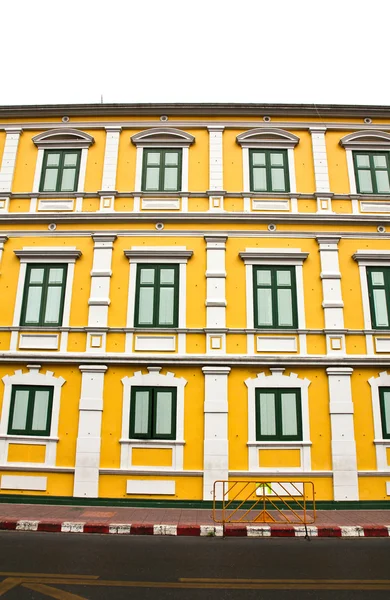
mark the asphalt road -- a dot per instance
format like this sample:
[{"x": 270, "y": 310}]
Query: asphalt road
[{"x": 96, "y": 567}]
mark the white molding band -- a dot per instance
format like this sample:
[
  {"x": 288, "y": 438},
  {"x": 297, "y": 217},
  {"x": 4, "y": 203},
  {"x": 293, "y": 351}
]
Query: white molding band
[
  {"x": 331, "y": 292},
  {"x": 216, "y": 443},
  {"x": 9, "y": 158},
  {"x": 345, "y": 477},
  {"x": 267, "y": 137},
  {"x": 110, "y": 159},
  {"x": 3, "y": 239},
  {"x": 366, "y": 140},
  {"x": 277, "y": 379},
  {"x": 381, "y": 445},
  {"x": 87, "y": 463},
  {"x": 64, "y": 137},
  {"x": 48, "y": 254}
]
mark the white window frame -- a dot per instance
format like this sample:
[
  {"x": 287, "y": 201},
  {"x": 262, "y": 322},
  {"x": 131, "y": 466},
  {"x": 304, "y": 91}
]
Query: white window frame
[
  {"x": 280, "y": 381},
  {"x": 366, "y": 140},
  {"x": 32, "y": 378},
  {"x": 62, "y": 139},
  {"x": 381, "y": 444},
  {"x": 153, "y": 379},
  {"x": 47, "y": 255}
]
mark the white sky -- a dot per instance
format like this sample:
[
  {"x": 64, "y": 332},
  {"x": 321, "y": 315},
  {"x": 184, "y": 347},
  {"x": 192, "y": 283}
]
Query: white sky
[{"x": 302, "y": 51}]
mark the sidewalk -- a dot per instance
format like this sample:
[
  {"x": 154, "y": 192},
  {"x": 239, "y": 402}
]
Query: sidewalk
[{"x": 182, "y": 521}]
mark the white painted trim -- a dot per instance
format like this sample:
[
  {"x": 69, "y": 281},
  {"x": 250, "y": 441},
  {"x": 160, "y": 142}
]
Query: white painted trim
[
  {"x": 184, "y": 169},
  {"x": 278, "y": 380},
  {"x": 83, "y": 170},
  {"x": 245, "y": 170},
  {"x": 23, "y": 482},
  {"x": 351, "y": 172},
  {"x": 3, "y": 239},
  {"x": 38, "y": 170},
  {"x": 272, "y": 343},
  {"x": 155, "y": 343},
  {"x": 381, "y": 445},
  {"x": 111, "y": 158},
  {"x": 138, "y": 169},
  {"x": 151, "y": 487},
  {"x": 8, "y": 164},
  {"x": 291, "y": 170}
]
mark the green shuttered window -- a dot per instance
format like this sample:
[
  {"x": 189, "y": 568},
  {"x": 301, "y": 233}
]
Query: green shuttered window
[
  {"x": 269, "y": 171},
  {"x": 275, "y": 302},
  {"x": 156, "y": 301},
  {"x": 278, "y": 414},
  {"x": 372, "y": 172},
  {"x": 153, "y": 413},
  {"x": 60, "y": 171},
  {"x": 44, "y": 293},
  {"x": 30, "y": 411},
  {"x": 384, "y": 399},
  {"x": 379, "y": 293},
  {"x": 161, "y": 171}
]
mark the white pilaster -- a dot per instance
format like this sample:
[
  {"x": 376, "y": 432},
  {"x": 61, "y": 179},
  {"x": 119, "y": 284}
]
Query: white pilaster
[
  {"x": 324, "y": 204},
  {"x": 99, "y": 300},
  {"x": 86, "y": 476},
  {"x": 216, "y": 446},
  {"x": 331, "y": 292},
  {"x": 345, "y": 479},
  {"x": 110, "y": 167},
  {"x": 216, "y": 293},
  {"x": 9, "y": 158},
  {"x": 3, "y": 239},
  {"x": 216, "y": 167}
]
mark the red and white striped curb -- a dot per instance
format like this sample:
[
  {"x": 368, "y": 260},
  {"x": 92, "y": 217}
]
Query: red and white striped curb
[{"x": 197, "y": 530}]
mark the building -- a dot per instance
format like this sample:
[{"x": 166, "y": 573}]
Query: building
[{"x": 192, "y": 293}]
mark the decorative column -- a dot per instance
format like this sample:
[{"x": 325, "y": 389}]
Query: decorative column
[
  {"x": 216, "y": 192},
  {"x": 107, "y": 195},
  {"x": 216, "y": 445},
  {"x": 86, "y": 475},
  {"x": 345, "y": 478},
  {"x": 216, "y": 294},
  {"x": 323, "y": 194},
  {"x": 99, "y": 300},
  {"x": 8, "y": 165},
  {"x": 331, "y": 291},
  {"x": 3, "y": 239}
]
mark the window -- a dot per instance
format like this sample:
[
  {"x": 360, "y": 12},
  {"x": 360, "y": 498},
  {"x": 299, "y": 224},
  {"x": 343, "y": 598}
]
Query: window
[
  {"x": 60, "y": 171},
  {"x": 372, "y": 172},
  {"x": 156, "y": 302},
  {"x": 384, "y": 399},
  {"x": 153, "y": 413},
  {"x": 379, "y": 294},
  {"x": 269, "y": 171},
  {"x": 278, "y": 414},
  {"x": 30, "y": 410},
  {"x": 44, "y": 293},
  {"x": 275, "y": 302},
  {"x": 161, "y": 170}
]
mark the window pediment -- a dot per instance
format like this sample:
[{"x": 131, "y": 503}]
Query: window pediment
[
  {"x": 162, "y": 136},
  {"x": 63, "y": 138},
  {"x": 270, "y": 137},
  {"x": 366, "y": 140}
]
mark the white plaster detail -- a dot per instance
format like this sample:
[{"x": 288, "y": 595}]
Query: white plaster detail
[
  {"x": 382, "y": 344},
  {"x": 381, "y": 445},
  {"x": 388, "y": 492},
  {"x": 3, "y": 239},
  {"x": 331, "y": 284},
  {"x": 42, "y": 341},
  {"x": 151, "y": 487},
  {"x": 107, "y": 203},
  {"x": 374, "y": 207},
  {"x": 23, "y": 482},
  {"x": 270, "y": 204},
  {"x": 160, "y": 203},
  {"x": 345, "y": 478},
  {"x": 155, "y": 343},
  {"x": 64, "y": 137},
  {"x": 278, "y": 380},
  {"x": 9, "y": 158},
  {"x": 215, "y": 157},
  {"x": 55, "y": 205},
  {"x": 276, "y": 343},
  {"x": 111, "y": 157},
  {"x": 4, "y": 204},
  {"x": 320, "y": 158}
]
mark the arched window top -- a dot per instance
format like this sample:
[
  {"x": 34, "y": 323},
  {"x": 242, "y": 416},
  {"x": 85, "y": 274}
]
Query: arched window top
[
  {"x": 163, "y": 136},
  {"x": 366, "y": 140},
  {"x": 63, "y": 138},
  {"x": 277, "y": 379},
  {"x": 269, "y": 137}
]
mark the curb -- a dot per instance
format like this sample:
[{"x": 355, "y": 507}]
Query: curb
[{"x": 196, "y": 530}]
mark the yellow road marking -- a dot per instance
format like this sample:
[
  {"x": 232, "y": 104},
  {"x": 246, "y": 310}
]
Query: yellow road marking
[
  {"x": 11, "y": 574},
  {"x": 9, "y": 584},
  {"x": 52, "y": 592}
]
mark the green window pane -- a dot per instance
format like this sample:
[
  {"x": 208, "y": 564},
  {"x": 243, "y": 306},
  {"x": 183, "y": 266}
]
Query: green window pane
[
  {"x": 365, "y": 183},
  {"x": 380, "y": 306},
  {"x": 283, "y": 277},
  {"x": 285, "y": 313},
  {"x": 259, "y": 179},
  {"x": 166, "y": 306},
  {"x": 53, "y": 305},
  {"x": 264, "y": 306},
  {"x": 147, "y": 275},
  {"x": 68, "y": 180},
  {"x": 258, "y": 159},
  {"x": 41, "y": 406},
  {"x": 267, "y": 414},
  {"x": 152, "y": 179},
  {"x": 36, "y": 275},
  {"x": 171, "y": 179},
  {"x": 278, "y": 180},
  {"x": 363, "y": 160},
  {"x": 146, "y": 305},
  {"x": 172, "y": 158},
  {"x": 380, "y": 161},
  {"x": 263, "y": 277},
  {"x": 167, "y": 276},
  {"x": 50, "y": 182},
  {"x": 377, "y": 278},
  {"x": 33, "y": 307},
  {"x": 289, "y": 414},
  {"x": 153, "y": 158},
  {"x": 70, "y": 160},
  {"x": 382, "y": 182},
  {"x": 141, "y": 413},
  {"x": 277, "y": 160},
  {"x": 386, "y": 410},
  {"x": 56, "y": 276},
  {"x": 163, "y": 413},
  {"x": 19, "y": 419},
  {"x": 53, "y": 159}
]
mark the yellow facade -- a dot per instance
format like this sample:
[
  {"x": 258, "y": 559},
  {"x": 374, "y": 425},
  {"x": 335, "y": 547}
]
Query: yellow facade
[{"x": 236, "y": 375}]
